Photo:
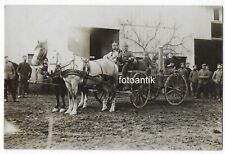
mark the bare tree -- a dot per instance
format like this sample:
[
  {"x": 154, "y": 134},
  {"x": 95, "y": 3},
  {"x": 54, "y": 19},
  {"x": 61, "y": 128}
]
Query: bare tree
[{"x": 129, "y": 32}]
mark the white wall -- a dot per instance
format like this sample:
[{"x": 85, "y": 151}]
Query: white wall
[{"x": 24, "y": 25}]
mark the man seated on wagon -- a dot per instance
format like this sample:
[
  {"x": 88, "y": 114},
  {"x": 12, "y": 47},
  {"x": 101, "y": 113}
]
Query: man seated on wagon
[
  {"x": 126, "y": 59},
  {"x": 114, "y": 53},
  {"x": 169, "y": 61}
]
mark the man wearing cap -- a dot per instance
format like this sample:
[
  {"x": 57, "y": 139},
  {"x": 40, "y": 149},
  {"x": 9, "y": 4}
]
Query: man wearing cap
[
  {"x": 187, "y": 66},
  {"x": 193, "y": 78},
  {"x": 113, "y": 54},
  {"x": 203, "y": 77},
  {"x": 218, "y": 80},
  {"x": 210, "y": 88},
  {"x": 126, "y": 59},
  {"x": 10, "y": 74},
  {"x": 24, "y": 71},
  {"x": 183, "y": 71}
]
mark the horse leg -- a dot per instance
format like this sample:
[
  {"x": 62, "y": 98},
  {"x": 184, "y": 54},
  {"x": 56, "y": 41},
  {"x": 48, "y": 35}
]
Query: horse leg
[
  {"x": 63, "y": 93},
  {"x": 63, "y": 107},
  {"x": 74, "y": 93},
  {"x": 112, "y": 108},
  {"x": 70, "y": 104},
  {"x": 85, "y": 100},
  {"x": 75, "y": 106},
  {"x": 56, "y": 108},
  {"x": 81, "y": 99},
  {"x": 104, "y": 102}
]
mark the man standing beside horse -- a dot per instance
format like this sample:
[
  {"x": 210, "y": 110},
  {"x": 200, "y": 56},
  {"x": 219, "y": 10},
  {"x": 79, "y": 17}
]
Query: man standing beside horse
[
  {"x": 9, "y": 85},
  {"x": 24, "y": 71}
]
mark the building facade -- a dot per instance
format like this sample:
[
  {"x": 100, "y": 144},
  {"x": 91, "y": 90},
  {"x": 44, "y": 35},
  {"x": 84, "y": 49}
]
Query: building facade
[{"x": 191, "y": 31}]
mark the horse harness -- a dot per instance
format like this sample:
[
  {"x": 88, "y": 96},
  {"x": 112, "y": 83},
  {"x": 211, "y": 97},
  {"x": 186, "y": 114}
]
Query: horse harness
[{"x": 84, "y": 73}]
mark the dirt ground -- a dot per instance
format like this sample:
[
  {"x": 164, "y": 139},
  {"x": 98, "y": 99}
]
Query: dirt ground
[{"x": 193, "y": 125}]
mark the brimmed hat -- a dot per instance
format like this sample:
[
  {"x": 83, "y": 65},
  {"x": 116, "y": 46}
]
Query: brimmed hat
[{"x": 203, "y": 64}]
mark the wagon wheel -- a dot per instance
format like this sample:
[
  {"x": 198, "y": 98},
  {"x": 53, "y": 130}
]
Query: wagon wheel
[
  {"x": 175, "y": 89},
  {"x": 140, "y": 92},
  {"x": 99, "y": 96}
]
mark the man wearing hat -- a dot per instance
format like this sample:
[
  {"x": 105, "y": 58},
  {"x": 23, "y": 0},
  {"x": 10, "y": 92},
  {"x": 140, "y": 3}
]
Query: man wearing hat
[
  {"x": 193, "y": 78},
  {"x": 24, "y": 71},
  {"x": 126, "y": 59},
  {"x": 218, "y": 80},
  {"x": 10, "y": 74},
  {"x": 203, "y": 78},
  {"x": 113, "y": 54}
]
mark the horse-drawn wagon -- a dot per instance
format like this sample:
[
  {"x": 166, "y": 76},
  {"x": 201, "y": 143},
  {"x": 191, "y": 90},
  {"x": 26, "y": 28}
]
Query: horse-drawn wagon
[
  {"x": 170, "y": 83},
  {"x": 101, "y": 77}
]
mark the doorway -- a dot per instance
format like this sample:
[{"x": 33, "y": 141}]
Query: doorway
[{"x": 209, "y": 52}]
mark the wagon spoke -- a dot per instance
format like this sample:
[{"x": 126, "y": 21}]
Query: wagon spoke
[
  {"x": 171, "y": 87},
  {"x": 179, "y": 94},
  {"x": 141, "y": 100},
  {"x": 169, "y": 91}
]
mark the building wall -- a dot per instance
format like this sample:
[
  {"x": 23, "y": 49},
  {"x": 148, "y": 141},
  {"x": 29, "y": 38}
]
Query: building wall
[{"x": 27, "y": 24}]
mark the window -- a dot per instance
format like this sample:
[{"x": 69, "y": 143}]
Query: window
[{"x": 216, "y": 14}]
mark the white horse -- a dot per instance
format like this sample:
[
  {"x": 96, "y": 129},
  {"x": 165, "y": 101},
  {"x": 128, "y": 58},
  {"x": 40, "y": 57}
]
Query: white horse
[
  {"x": 78, "y": 72},
  {"x": 101, "y": 73}
]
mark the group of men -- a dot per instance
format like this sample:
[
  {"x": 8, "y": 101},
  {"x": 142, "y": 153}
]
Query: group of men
[
  {"x": 206, "y": 82},
  {"x": 16, "y": 74},
  {"x": 203, "y": 81},
  {"x": 199, "y": 82}
]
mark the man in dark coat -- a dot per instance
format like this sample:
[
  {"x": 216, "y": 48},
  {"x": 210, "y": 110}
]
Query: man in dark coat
[
  {"x": 10, "y": 74},
  {"x": 126, "y": 58},
  {"x": 193, "y": 78},
  {"x": 203, "y": 78},
  {"x": 24, "y": 71},
  {"x": 218, "y": 80},
  {"x": 210, "y": 87},
  {"x": 169, "y": 61},
  {"x": 188, "y": 73}
]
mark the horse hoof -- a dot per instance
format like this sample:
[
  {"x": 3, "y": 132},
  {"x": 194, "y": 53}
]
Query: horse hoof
[
  {"x": 104, "y": 109},
  {"x": 84, "y": 107},
  {"x": 62, "y": 110},
  {"x": 55, "y": 110},
  {"x": 67, "y": 112},
  {"x": 80, "y": 105},
  {"x": 111, "y": 110},
  {"x": 73, "y": 113}
]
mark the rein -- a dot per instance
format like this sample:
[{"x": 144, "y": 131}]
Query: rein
[{"x": 84, "y": 74}]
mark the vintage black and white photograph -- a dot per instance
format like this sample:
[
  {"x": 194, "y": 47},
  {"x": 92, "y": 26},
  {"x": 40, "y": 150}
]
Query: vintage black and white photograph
[{"x": 82, "y": 77}]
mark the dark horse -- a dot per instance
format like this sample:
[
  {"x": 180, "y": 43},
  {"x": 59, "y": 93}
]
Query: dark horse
[{"x": 60, "y": 89}]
